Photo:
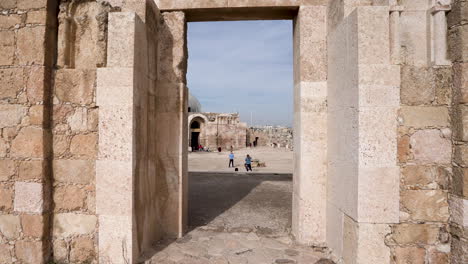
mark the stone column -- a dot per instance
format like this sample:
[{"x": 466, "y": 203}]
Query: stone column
[
  {"x": 439, "y": 38},
  {"x": 310, "y": 124},
  {"x": 395, "y": 44}
]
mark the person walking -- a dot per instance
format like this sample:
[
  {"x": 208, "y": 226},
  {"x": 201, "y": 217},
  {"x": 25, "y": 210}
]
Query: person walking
[
  {"x": 231, "y": 159},
  {"x": 248, "y": 163}
]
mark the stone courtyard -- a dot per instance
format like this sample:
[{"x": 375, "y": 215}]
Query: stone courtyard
[{"x": 94, "y": 145}]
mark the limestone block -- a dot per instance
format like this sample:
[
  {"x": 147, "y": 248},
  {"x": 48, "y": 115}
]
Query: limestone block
[
  {"x": 33, "y": 225},
  {"x": 74, "y": 171},
  {"x": 30, "y": 4},
  {"x": 31, "y": 169},
  {"x": 458, "y": 14},
  {"x": 8, "y": 4},
  {"x": 379, "y": 195},
  {"x": 172, "y": 52},
  {"x": 120, "y": 49},
  {"x": 84, "y": 146},
  {"x": 75, "y": 86},
  {"x": 60, "y": 250},
  {"x": 35, "y": 83},
  {"x": 416, "y": 86},
  {"x": 334, "y": 230},
  {"x": 36, "y": 115},
  {"x": 459, "y": 251},
  {"x": 3, "y": 148},
  {"x": 9, "y": 21},
  {"x": 425, "y": 205},
  {"x": 460, "y": 81},
  {"x": 376, "y": 125},
  {"x": 82, "y": 250},
  {"x": 261, "y": 3},
  {"x": 78, "y": 121},
  {"x": 443, "y": 82},
  {"x": 29, "y": 251},
  {"x": 10, "y": 226},
  {"x": 114, "y": 187},
  {"x": 371, "y": 244},
  {"x": 459, "y": 184},
  {"x": 70, "y": 224},
  {"x": 114, "y": 86},
  {"x": 424, "y": 177},
  {"x": 350, "y": 240},
  {"x": 69, "y": 198},
  {"x": 7, "y": 43},
  {"x": 187, "y": 4},
  {"x": 414, "y": 255},
  {"x": 413, "y": 32},
  {"x": 459, "y": 211},
  {"x": 6, "y": 197},
  {"x": 30, "y": 44},
  {"x": 5, "y": 254},
  {"x": 116, "y": 133},
  {"x": 116, "y": 244},
  {"x": 405, "y": 234},
  {"x": 429, "y": 146},
  {"x": 28, "y": 197},
  {"x": 461, "y": 155},
  {"x": 7, "y": 169},
  {"x": 11, "y": 81},
  {"x": 457, "y": 42},
  {"x": 373, "y": 35},
  {"x": 36, "y": 17},
  {"x": 423, "y": 117},
  {"x": 11, "y": 115}
]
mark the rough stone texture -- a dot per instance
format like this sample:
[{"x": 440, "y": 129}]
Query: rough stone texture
[
  {"x": 30, "y": 170},
  {"x": 70, "y": 224},
  {"x": 423, "y": 117},
  {"x": 430, "y": 146},
  {"x": 29, "y": 251},
  {"x": 32, "y": 225},
  {"x": 74, "y": 171},
  {"x": 422, "y": 205},
  {"x": 10, "y": 226},
  {"x": 84, "y": 146},
  {"x": 28, "y": 197},
  {"x": 410, "y": 234},
  {"x": 6, "y": 198},
  {"x": 28, "y": 143},
  {"x": 413, "y": 255},
  {"x": 75, "y": 86},
  {"x": 82, "y": 250},
  {"x": 69, "y": 198},
  {"x": 5, "y": 254}
]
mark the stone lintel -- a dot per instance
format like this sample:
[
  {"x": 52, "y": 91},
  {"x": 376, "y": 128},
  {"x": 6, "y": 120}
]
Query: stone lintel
[
  {"x": 397, "y": 8},
  {"x": 439, "y": 8}
]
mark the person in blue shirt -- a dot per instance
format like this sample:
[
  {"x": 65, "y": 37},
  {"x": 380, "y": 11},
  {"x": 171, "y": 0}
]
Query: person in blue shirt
[
  {"x": 248, "y": 163},
  {"x": 231, "y": 159}
]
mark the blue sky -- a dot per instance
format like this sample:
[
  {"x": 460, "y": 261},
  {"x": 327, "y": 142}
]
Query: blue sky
[{"x": 243, "y": 66}]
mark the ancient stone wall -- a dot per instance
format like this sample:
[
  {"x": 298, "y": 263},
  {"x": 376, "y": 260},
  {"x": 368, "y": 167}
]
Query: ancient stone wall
[
  {"x": 458, "y": 189},
  {"x": 27, "y": 44}
]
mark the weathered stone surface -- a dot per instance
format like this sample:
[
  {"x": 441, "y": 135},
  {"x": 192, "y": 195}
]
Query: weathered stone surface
[
  {"x": 28, "y": 197},
  {"x": 74, "y": 171},
  {"x": 459, "y": 251},
  {"x": 69, "y": 198},
  {"x": 459, "y": 211},
  {"x": 75, "y": 86},
  {"x": 84, "y": 146},
  {"x": 7, "y": 169},
  {"x": 8, "y": 4},
  {"x": 82, "y": 250},
  {"x": 11, "y": 115},
  {"x": 443, "y": 85},
  {"x": 429, "y": 146},
  {"x": 69, "y": 224},
  {"x": 416, "y": 86},
  {"x": 36, "y": 115},
  {"x": 461, "y": 155},
  {"x": 422, "y": 117},
  {"x": 7, "y": 43},
  {"x": 6, "y": 197},
  {"x": 33, "y": 225},
  {"x": 436, "y": 257},
  {"x": 3, "y": 148},
  {"x": 457, "y": 43},
  {"x": 36, "y": 17},
  {"x": 427, "y": 177},
  {"x": 459, "y": 183},
  {"x": 11, "y": 81},
  {"x": 426, "y": 205},
  {"x": 5, "y": 254},
  {"x": 460, "y": 81},
  {"x": 30, "y": 4},
  {"x": 461, "y": 127},
  {"x": 61, "y": 144},
  {"x": 31, "y": 169},
  {"x": 78, "y": 121},
  {"x": 35, "y": 83},
  {"x": 9, "y": 21},
  {"x": 60, "y": 249},
  {"x": 10, "y": 226},
  {"x": 28, "y": 143},
  {"x": 30, "y": 45},
  {"x": 29, "y": 251},
  {"x": 413, "y": 255},
  {"x": 406, "y": 234},
  {"x": 403, "y": 148}
]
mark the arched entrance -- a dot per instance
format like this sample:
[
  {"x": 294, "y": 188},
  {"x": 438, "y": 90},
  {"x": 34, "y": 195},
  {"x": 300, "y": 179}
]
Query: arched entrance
[{"x": 195, "y": 135}]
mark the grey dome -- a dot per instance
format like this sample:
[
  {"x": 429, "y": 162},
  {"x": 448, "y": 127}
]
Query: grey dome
[{"x": 194, "y": 104}]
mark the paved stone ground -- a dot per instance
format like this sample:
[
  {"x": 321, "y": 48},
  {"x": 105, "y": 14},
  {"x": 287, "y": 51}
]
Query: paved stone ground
[{"x": 237, "y": 218}]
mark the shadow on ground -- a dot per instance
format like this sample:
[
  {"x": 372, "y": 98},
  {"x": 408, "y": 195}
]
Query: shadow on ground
[{"x": 240, "y": 200}]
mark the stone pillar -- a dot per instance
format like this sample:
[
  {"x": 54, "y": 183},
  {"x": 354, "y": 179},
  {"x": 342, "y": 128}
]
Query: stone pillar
[
  {"x": 458, "y": 192},
  {"x": 395, "y": 44},
  {"x": 363, "y": 176},
  {"x": 310, "y": 122},
  {"x": 439, "y": 38}
]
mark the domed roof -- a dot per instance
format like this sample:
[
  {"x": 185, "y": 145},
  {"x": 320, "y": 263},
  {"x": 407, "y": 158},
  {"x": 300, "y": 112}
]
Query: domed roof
[{"x": 194, "y": 104}]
